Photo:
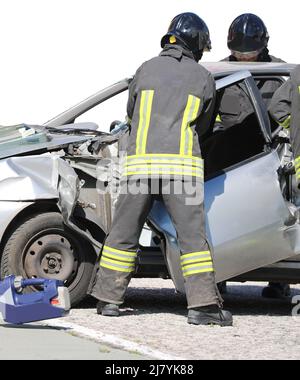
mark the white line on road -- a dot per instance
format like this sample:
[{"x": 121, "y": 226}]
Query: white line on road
[{"x": 112, "y": 340}]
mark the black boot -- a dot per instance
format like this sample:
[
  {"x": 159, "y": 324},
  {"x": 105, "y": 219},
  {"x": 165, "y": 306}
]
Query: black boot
[
  {"x": 277, "y": 290},
  {"x": 108, "y": 309},
  {"x": 210, "y": 315}
]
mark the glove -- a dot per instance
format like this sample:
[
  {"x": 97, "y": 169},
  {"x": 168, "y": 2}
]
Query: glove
[{"x": 218, "y": 127}]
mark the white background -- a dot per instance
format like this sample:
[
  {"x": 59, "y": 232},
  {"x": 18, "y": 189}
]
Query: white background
[{"x": 55, "y": 53}]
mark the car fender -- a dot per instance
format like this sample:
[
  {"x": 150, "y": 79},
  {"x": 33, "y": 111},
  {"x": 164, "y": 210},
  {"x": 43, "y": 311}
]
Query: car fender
[
  {"x": 29, "y": 178},
  {"x": 9, "y": 211}
]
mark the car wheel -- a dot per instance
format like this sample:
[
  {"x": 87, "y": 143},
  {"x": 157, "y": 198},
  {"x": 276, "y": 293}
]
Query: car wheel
[{"x": 43, "y": 247}]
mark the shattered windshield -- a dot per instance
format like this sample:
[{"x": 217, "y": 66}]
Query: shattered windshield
[{"x": 20, "y": 135}]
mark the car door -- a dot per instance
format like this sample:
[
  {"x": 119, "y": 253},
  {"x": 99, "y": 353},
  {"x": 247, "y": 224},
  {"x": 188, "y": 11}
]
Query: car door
[{"x": 248, "y": 219}]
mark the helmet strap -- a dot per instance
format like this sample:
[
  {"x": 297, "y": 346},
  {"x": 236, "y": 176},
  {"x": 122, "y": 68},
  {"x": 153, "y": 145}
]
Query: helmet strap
[{"x": 198, "y": 55}]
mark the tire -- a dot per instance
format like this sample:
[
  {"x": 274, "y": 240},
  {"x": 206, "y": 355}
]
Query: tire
[{"x": 41, "y": 246}]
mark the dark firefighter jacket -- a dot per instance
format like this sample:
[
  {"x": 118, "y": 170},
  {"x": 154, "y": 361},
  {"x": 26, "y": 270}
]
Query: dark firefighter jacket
[
  {"x": 171, "y": 103},
  {"x": 285, "y": 109},
  {"x": 235, "y": 105}
]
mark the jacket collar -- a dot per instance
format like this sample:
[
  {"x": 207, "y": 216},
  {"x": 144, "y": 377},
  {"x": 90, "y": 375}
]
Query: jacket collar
[{"x": 176, "y": 52}]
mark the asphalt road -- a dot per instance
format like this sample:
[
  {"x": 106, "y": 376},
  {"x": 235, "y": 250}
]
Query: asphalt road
[{"x": 155, "y": 317}]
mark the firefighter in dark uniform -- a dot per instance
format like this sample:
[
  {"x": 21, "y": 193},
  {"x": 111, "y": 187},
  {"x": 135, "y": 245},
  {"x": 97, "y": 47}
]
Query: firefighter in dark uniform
[
  {"x": 285, "y": 109},
  {"x": 171, "y": 103},
  {"x": 248, "y": 39}
]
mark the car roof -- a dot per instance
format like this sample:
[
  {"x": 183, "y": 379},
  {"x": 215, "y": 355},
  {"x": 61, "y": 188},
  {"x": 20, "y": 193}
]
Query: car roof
[
  {"x": 225, "y": 68},
  {"x": 218, "y": 70}
]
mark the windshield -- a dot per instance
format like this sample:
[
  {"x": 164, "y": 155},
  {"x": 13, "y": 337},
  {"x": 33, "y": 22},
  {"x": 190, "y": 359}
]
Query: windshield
[{"x": 20, "y": 135}]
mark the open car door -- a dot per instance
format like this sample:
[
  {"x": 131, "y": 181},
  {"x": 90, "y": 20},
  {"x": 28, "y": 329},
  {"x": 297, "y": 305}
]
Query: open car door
[{"x": 248, "y": 219}]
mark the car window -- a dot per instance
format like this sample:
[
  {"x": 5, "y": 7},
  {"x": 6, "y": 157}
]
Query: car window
[
  {"x": 237, "y": 134},
  {"x": 105, "y": 113},
  {"x": 267, "y": 86}
]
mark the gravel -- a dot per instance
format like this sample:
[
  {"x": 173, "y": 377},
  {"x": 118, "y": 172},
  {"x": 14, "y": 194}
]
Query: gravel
[{"x": 155, "y": 316}]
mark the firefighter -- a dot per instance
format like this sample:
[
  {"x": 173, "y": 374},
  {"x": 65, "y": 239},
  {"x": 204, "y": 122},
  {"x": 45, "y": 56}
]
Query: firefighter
[
  {"x": 285, "y": 109},
  {"x": 247, "y": 40},
  {"x": 170, "y": 106}
]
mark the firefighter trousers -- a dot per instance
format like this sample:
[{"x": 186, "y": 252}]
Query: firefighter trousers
[{"x": 117, "y": 263}]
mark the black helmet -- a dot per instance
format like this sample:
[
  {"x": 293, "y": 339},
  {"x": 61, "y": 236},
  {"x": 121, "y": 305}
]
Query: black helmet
[
  {"x": 191, "y": 31},
  {"x": 247, "y": 33}
]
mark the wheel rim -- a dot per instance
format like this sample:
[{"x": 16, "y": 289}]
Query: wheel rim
[{"x": 53, "y": 254}]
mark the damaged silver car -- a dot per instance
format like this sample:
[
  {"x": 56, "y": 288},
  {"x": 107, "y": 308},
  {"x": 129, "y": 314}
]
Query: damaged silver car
[{"x": 57, "y": 205}]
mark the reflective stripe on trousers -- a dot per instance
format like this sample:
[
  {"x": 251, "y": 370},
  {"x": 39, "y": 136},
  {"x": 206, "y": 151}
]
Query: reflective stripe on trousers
[
  {"x": 117, "y": 260},
  {"x": 197, "y": 262}
]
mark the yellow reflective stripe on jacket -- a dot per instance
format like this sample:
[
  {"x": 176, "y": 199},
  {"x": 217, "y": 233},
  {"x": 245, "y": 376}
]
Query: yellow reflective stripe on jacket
[
  {"x": 163, "y": 155},
  {"x": 164, "y": 164},
  {"x": 153, "y": 172},
  {"x": 163, "y": 167},
  {"x": 164, "y": 158},
  {"x": 187, "y": 135},
  {"x": 218, "y": 119},
  {"x": 286, "y": 123},
  {"x": 297, "y": 167},
  {"x": 144, "y": 121},
  {"x": 297, "y": 160},
  {"x": 159, "y": 173},
  {"x": 185, "y": 125}
]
